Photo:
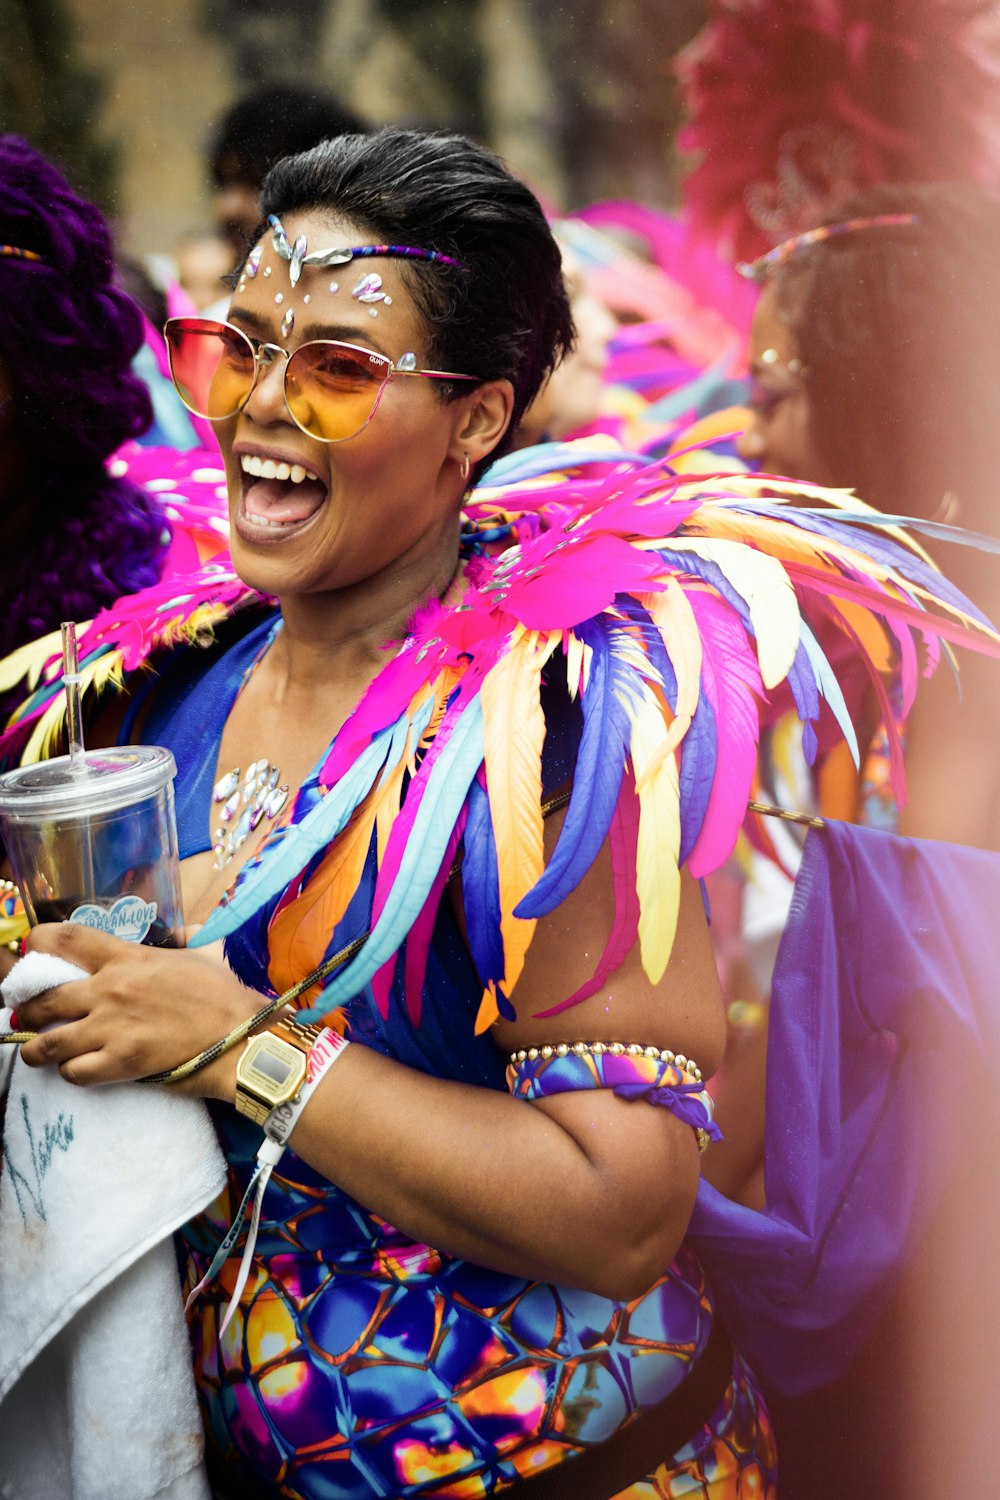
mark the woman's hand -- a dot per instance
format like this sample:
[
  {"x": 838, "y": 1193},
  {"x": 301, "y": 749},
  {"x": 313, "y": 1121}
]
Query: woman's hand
[{"x": 140, "y": 1011}]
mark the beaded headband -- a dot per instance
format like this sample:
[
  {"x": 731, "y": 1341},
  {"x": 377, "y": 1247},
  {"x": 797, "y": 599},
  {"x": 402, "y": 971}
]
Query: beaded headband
[
  {"x": 18, "y": 253},
  {"x": 297, "y": 257},
  {"x": 760, "y": 269}
]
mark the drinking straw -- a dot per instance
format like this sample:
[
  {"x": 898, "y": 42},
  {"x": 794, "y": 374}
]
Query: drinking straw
[
  {"x": 77, "y": 753},
  {"x": 71, "y": 684}
]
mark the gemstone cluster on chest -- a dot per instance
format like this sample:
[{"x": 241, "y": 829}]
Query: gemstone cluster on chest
[{"x": 244, "y": 802}]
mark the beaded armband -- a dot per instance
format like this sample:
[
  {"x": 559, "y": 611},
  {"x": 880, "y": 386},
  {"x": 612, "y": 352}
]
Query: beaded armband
[{"x": 657, "y": 1075}]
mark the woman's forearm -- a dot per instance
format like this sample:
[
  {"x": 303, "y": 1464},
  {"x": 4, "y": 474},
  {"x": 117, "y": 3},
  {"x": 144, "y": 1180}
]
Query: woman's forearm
[{"x": 585, "y": 1189}]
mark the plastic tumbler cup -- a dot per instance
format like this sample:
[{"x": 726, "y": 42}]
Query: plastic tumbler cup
[{"x": 96, "y": 842}]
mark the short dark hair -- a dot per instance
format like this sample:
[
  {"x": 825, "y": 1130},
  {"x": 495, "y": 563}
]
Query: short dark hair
[
  {"x": 506, "y": 314},
  {"x": 269, "y": 123},
  {"x": 898, "y": 327}
]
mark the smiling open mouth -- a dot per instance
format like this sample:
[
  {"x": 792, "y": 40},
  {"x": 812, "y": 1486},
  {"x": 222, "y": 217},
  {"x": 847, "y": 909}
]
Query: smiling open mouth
[{"x": 277, "y": 496}]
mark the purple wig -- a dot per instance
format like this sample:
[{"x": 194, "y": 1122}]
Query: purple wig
[{"x": 67, "y": 338}]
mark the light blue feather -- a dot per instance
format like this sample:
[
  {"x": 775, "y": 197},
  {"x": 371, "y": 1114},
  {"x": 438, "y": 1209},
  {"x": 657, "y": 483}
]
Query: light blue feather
[
  {"x": 425, "y": 849},
  {"x": 318, "y": 828},
  {"x": 829, "y": 687},
  {"x": 548, "y": 458}
]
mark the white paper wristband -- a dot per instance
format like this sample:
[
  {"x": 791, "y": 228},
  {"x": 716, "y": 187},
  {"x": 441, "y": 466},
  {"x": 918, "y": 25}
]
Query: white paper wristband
[{"x": 322, "y": 1055}]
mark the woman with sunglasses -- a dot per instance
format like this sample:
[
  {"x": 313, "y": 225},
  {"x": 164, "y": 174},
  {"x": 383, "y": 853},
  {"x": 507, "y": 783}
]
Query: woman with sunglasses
[
  {"x": 452, "y": 901},
  {"x": 408, "y": 1326}
]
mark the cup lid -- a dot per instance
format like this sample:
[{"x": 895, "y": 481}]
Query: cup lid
[{"x": 112, "y": 779}]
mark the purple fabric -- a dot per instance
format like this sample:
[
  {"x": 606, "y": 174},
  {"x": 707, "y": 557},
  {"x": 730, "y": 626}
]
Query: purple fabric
[{"x": 884, "y": 1020}]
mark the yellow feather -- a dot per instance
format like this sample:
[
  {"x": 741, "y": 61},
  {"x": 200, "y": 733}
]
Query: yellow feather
[
  {"x": 765, "y": 586},
  {"x": 513, "y": 733},
  {"x": 672, "y": 614},
  {"x": 488, "y": 1011},
  {"x": 658, "y": 879},
  {"x": 577, "y": 663},
  {"x": 28, "y": 662}
]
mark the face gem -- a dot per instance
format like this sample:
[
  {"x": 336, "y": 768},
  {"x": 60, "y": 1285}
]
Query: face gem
[
  {"x": 288, "y": 322},
  {"x": 406, "y": 362},
  {"x": 369, "y": 288},
  {"x": 267, "y": 270},
  {"x": 307, "y": 299},
  {"x": 253, "y": 262},
  {"x": 373, "y": 312},
  {"x": 335, "y": 286},
  {"x": 298, "y": 256},
  {"x": 279, "y": 298}
]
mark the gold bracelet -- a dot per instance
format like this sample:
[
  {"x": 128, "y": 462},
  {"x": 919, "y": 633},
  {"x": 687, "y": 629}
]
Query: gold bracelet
[
  {"x": 240, "y": 1032},
  {"x": 617, "y": 1049}
]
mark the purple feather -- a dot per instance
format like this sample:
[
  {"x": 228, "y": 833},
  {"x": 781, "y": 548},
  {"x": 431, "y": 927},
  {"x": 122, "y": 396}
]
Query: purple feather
[
  {"x": 699, "y": 751},
  {"x": 597, "y": 781},
  {"x": 481, "y": 887},
  {"x": 802, "y": 684}
]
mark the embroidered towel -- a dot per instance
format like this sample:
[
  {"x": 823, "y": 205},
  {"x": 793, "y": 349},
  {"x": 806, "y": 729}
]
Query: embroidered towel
[{"x": 96, "y": 1393}]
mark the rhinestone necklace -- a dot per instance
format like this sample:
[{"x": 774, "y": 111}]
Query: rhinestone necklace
[{"x": 245, "y": 804}]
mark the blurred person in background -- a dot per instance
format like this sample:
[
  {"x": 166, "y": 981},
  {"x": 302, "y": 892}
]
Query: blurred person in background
[
  {"x": 203, "y": 258},
  {"x": 875, "y": 358},
  {"x": 572, "y": 397},
  {"x": 259, "y": 129},
  {"x": 75, "y": 536}
]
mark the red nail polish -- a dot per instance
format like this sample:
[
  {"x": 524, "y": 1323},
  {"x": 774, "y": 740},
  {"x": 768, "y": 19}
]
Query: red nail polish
[
  {"x": 13, "y": 1021},
  {"x": 23, "y": 947}
]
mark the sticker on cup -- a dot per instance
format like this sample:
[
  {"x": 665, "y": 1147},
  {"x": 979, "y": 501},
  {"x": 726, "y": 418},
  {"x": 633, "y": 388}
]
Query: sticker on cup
[{"x": 130, "y": 918}]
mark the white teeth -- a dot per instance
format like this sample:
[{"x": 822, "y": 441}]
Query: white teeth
[
  {"x": 273, "y": 525},
  {"x": 269, "y": 468}
]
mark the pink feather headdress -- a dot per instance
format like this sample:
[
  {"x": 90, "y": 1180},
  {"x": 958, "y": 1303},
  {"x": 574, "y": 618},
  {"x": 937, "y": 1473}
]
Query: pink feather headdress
[{"x": 794, "y": 105}]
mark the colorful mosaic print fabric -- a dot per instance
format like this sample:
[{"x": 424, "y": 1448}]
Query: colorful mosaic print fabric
[{"x": 362, "y": 1364}]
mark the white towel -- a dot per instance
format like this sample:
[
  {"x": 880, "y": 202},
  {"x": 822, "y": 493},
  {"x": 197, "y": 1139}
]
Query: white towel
[{"x": 97, "y": 1398}]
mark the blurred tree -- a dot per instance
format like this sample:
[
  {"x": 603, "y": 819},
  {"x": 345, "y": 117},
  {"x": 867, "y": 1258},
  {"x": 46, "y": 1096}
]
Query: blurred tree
[
  {"x": 576, "y": 94},
  {"x": 616, "y": 100},
  {"x": 269, "y": 40},
  {"x": 48, "y": 96}
]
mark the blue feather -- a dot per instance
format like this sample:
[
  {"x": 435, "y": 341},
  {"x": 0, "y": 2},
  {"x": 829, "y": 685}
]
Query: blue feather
[
  {"x": 884, "y": 549},
  {"x": 597, "y": 780},
  {"x": 651, "y": 638},
  {"x": 699, "y": 752},
  {"x": 549, "y": 458},
  {"x": 802, "y": 682},
  {"x": 442, "y": 801},
  {"x": 827, "y": 684},
  {"x": 700, "y": 567},
  {"x": 481, "y": 888}
]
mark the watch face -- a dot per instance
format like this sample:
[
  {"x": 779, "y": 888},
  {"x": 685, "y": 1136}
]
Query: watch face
[{"x": 277, "y": 1069}]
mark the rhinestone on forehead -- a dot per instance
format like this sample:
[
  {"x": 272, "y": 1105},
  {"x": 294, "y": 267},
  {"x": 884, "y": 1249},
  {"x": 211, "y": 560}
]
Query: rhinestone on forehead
[
  {"x": 253, "y": 262},
  {"x": 288, "y": 322},
  {"x": 369, "y": 288}
]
